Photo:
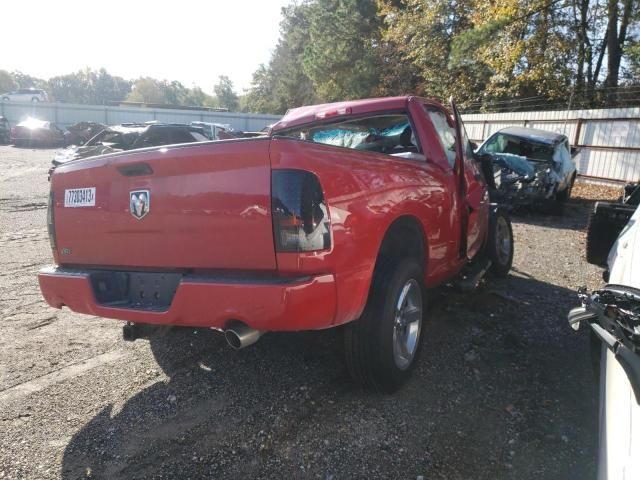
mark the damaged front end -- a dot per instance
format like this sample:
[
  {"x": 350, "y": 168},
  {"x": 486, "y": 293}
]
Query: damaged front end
[
  {"x": 527, "y": 167},
  {"x": 520, "y": 182},
  {"x": 613, "y": 313}
]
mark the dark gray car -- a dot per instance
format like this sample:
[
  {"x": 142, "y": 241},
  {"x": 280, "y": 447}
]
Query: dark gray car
[{"x": 130, "y": 137}]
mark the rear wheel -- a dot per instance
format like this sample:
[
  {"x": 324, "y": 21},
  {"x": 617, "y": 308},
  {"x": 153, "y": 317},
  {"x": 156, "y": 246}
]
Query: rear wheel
[
  {"x": 382, "y": 346},
  {"x": 34, "y": 100},
  {"x": 500, "y": 243}
]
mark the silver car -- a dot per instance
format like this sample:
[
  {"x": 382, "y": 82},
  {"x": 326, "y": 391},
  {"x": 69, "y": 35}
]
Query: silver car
[
  {"x": 529, "y": 167},
  {"x": 33, "y": 95}
]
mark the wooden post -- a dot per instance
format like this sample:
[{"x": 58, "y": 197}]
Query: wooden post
[{"x": 576, "y": 138}]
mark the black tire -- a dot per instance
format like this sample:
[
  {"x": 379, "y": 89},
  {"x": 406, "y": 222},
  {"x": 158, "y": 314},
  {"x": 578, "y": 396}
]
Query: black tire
[
  {"x": 369, "y": 341},
  {"x": 603, "y": 229},
  {"x": 565, "y": 194},
  {"x": 496, "y": 249},
  {"x": 553, "y": 205},
  {"x": 34, "y": 100},
  {"x": 5, "y": 99}
]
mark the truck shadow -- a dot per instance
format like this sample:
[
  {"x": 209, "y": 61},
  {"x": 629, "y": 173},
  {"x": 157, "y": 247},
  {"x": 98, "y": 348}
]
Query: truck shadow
[
  {"x": 503, "y": 389},
  {"x": 575, "y": 216}
]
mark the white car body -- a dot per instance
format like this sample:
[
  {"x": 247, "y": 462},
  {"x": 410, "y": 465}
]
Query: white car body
[
  {"x": 30, "y": 95},
  {"x": 619, "y": 445}
]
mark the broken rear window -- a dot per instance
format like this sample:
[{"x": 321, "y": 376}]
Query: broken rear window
[{"x": 391, "y": 134}]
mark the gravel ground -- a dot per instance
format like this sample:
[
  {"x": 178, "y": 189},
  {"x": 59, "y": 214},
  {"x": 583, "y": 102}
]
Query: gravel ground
[{"x": 503, "y": 389}]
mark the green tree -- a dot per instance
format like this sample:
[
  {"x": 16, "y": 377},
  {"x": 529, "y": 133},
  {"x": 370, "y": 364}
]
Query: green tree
[
  {"x": 27, "y": 81},
  {"x": 109, "y": 87},
  {"x": 88, "y": 87},
  {"x": 340, "y": 56},
  {"x": 148, "y": 90},
  {"x": 226, "y": 96},
  {"x": 7, "y": 83},
  {"x": 174, "y": 92},
  {"x": 282, "y": 83}
]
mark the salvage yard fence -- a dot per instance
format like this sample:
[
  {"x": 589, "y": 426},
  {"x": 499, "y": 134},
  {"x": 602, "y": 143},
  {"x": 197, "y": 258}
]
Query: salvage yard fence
[
  {"x": 608, "y": 139},
  {"x": 65, "y": 114}
]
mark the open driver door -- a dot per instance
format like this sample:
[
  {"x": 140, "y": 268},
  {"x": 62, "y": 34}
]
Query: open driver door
[{"x": 472, "y": 191}]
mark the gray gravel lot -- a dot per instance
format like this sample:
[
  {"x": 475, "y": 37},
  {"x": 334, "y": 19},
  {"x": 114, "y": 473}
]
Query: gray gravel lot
[{"x": 503, "y": 390}]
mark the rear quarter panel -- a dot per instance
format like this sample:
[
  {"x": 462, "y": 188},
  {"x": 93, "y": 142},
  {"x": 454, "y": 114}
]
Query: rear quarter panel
[{"x": 366, "y": 192}]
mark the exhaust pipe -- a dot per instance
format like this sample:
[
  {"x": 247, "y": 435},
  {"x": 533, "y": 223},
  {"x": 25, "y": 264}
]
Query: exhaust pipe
[{"x": 239, "y": 335}]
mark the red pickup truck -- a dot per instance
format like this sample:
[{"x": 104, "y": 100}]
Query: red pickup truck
[{"x": 342, "y": 215}]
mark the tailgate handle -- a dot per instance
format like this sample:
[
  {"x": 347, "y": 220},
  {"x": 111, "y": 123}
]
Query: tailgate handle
[{"x": 135, "y": 170}]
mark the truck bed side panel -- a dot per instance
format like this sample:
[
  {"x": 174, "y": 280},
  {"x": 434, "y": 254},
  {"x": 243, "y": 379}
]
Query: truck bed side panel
[{"x": 366, "y": 192}]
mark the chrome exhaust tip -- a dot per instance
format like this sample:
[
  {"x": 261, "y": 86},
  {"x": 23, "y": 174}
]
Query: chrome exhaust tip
[{"x": 238, "y": 335}]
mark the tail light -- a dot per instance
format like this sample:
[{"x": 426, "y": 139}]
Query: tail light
[
  {"x": 51, "y": 224},
  {"x": 300, "y": 215}
]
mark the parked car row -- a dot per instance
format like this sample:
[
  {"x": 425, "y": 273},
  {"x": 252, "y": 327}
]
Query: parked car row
[
  {"x": 524, "y": 167},
  {"x": 34, "y": 132},
  {"x": 131, "y": 136}
]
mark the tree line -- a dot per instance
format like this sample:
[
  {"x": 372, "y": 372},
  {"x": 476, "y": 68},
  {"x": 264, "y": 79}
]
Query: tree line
[
  {"x": 99, "y": 87},
  {"x": 491, "y": 56}
]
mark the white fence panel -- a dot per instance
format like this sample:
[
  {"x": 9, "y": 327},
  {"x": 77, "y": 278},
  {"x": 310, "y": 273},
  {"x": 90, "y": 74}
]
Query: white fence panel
[{"x": 67, "y": 114}]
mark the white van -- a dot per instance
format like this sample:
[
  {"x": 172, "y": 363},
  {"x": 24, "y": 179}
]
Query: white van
[{"x": 33, "y": 95}]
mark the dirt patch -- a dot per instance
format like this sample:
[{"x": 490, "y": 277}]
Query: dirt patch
[{"x": 592, "y": 192}]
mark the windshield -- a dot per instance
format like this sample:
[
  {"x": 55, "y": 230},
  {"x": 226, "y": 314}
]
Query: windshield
[{"x": 503, "y": 143}]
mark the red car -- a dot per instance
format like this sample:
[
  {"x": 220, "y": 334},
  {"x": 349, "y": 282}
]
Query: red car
[
  {"x": 33, "y": 132},
  {"x": 344, "y": 214}
]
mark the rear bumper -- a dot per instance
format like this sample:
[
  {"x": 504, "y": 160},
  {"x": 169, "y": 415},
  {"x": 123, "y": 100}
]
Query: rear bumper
[{"x": 275, "y": 304}]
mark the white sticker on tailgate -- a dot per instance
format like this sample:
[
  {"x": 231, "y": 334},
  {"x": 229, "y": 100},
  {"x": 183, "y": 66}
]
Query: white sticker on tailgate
[{"x": 80, "y": 197}]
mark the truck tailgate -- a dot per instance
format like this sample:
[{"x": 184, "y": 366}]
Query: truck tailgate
[{"x": 205, "y": 206}]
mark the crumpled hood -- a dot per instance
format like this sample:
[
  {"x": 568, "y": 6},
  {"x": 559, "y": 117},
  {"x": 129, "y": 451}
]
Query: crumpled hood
[{"x": 517, "y": 163}]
